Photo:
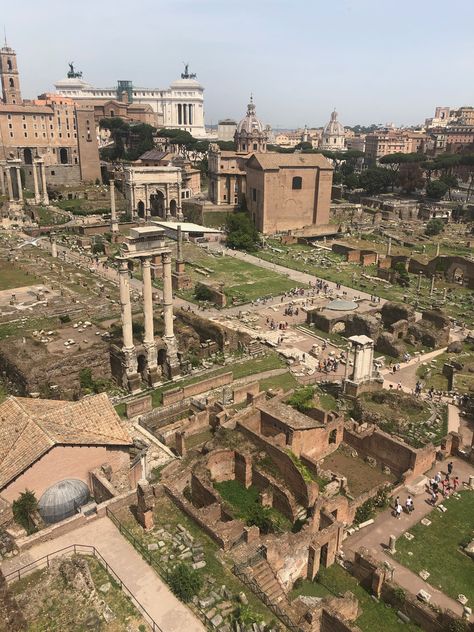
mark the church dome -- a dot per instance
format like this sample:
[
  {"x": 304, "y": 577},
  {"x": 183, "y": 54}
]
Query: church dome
[
  {"x": 62, "y": 500},
  {"x": 250, "y": 124},
  {"x": 334, "y": 128}
]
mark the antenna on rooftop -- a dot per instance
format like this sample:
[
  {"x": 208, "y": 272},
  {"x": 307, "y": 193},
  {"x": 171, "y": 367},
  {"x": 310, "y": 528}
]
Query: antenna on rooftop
[{"x": 5, "y": 35}]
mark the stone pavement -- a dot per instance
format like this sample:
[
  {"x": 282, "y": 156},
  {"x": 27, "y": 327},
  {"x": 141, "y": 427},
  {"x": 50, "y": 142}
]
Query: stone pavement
[
  {"x": 142, "y": 581},
  {"x": 376, "y": 536}
]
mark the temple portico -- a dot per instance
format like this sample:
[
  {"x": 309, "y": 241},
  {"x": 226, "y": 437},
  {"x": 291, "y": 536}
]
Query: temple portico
[
  {"x": 362, "y": 375},
  {"x": 142, "y": 245}
]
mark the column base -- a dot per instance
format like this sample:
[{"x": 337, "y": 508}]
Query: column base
[
  {"x": 153, "y": 376},
  {"x": 114, "y": 227},
  {"x": 134, "y": 383},
  {"x": 171, "y": 367}
]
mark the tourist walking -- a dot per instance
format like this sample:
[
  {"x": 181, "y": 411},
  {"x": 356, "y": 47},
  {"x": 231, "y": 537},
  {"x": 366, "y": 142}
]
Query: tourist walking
[{"x": 450, "y": 468}]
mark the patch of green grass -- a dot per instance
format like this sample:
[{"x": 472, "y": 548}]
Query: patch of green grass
[
  {"x": 242, "y": 281},
  {"x": 374, "y": 615},
  {"x": 244, "y": 500},
  {"x": 437, "y": 548},
  {"x": 12, "y": 277},
  {"x": 215, "y": 219},
  {"x": 47, "y": 217},
  {"x": 70, "y": 205},
  {"x": 198, "y": 439},
  {"x": 285, "y": 381}
]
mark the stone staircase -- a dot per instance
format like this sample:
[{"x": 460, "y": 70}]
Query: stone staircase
[{"x": 264, "y": 576}]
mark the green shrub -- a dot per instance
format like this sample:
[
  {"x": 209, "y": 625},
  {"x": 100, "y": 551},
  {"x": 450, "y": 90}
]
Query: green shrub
[
  {"x": 185, "y": 582},
  {"x": 260, "y": 517},
  {"x": 302, "y": 399},
  {"x": 65, "y": 318},
  {"x": 24, "y": 508},
  {"x": 365, "y": 512},
  {"x": 202, "y": 292},
  {"x": 434, "y": 227}
]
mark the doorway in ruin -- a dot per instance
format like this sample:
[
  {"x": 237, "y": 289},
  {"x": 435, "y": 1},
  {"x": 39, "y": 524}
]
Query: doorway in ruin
[
  {"x": 157, "y": 204},
  {"x": 173, "y": 208},
  {"x": 141, "y": 209},
  {"x": 458, "y": 276},
  {"x": 324, "y": 555}
]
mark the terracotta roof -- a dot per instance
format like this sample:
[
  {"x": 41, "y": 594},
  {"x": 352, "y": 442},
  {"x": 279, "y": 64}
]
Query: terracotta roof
[
  {"x": 274, "y": 160},
  {"x": 26, "y": 109},
  {"x": 154, "y": 154},
  {"x": 31, "y": 427}
]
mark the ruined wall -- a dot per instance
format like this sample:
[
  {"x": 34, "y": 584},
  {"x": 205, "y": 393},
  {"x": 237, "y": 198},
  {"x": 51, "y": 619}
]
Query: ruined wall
[
  {"x": 227, "y": 339},
  {"x": 387, "y": 450},
  {"x": 102, "y": 489},
  {"x": 138, "y": 406},
  {"x": 179, "y": 394}
]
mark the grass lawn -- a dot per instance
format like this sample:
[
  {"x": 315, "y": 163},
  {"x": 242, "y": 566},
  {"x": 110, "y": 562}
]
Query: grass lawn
[
  {"x": 244, "y": 500},
  {"x": 286, "y": 381},
  {"x": 463, "y": 380},
  {"x": 437, "y": 548},
  {"x": 241, "y": 280},
  {"x": 374, "y": 615},
  {"x": 12, "y": 277},
  {"x": 47, "y": 217},
  {"x": 215, "y": 220}
]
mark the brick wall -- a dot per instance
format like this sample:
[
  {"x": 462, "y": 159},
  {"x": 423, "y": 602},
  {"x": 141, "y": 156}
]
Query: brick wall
[
  {"x": 178, "y": 394},
  {"x": 102, "y": 489},
  {"x": 138, "y": 406}
]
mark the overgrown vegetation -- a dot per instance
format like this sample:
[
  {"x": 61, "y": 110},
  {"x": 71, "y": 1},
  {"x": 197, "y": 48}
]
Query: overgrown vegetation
[
  {"x": 241, "y": 232},
  {"x": 367, "y": 510},
  {"x": 24, "y": 508},
  {"x": 302, "y": 399},
  {"x": 185, "y": 582}
]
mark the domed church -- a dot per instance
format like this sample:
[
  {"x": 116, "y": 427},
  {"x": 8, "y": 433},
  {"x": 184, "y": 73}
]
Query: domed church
[
  {"x": 333, "y": 138},
  {"x": 250, "y": 134}
]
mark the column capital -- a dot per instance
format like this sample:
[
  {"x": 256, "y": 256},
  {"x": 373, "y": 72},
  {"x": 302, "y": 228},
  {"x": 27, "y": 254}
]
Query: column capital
[
  {"x": 123, "y": 266},
  {"x": 166, "y": 257}
]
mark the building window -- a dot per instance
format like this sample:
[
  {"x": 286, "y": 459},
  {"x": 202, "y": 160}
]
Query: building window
[
  {"x": 297, "y": 182},
  {"x": 254, "y": 195},
  {"x": 255, "y": 146},
  {"x": 12, "y": 83}
]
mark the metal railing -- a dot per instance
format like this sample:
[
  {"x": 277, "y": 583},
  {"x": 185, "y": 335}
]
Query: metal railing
[{"x": 83, "y": 549}]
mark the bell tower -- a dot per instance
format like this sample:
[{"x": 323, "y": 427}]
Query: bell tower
[{"x": 11, "y": 93}]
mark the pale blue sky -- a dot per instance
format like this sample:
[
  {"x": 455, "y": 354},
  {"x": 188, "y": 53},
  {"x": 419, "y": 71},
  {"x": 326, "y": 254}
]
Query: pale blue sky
[{"x": 374, "y": 60}]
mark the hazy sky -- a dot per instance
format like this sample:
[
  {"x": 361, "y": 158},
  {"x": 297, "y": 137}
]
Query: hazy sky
[{"x": 376, "y": 61}]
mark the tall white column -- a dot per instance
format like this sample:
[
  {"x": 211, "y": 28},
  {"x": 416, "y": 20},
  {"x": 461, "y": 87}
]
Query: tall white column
[
  {"x": 20, "y": 187},
  {"x": 167, "y": 202},
  {"x": 35, "y": 183},
  {"x": 124, "y": 285},
  {"x": 54, "y": 247},
  {"x": 113, "y": 214},
  {"x": 389, "y": 246},
  {"x": 167, "y": 296},
  {"x": 43, "y": 182},
  {"x": 179, "y": 210},
  {"x": 149, "y": 337},
  {"x": 8, "y": 172},
  {"x": 2, "y": 179}
]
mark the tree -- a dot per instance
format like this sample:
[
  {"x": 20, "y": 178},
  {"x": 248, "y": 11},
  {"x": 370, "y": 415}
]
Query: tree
[
  {"x": 436, "y": 189},
  {"x": 410, "y": 177},
  {"x": 241, "y": 233},
  {"x": 434, "y": 227},
  {"x": 202, "y": 292},
  {"x": 375, "y": 180},
  {"x": 260, "y": 517},
  {"x": 450, "y": 181},
  {"x": 402, "y": 276},
  {"x": 23, "y": 510},
  {"x": 184, "y": 581},
  {"x": 304, "y": 145},
  {"x": 351, "y": 181}
]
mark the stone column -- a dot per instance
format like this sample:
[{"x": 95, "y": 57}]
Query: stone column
[
  {"x": 432, "y": 285},
  {"x": 2, "y": 180},
  {"x": 54, "y": 247},
  {"x": 43, "y": 182},
  {"x": 179, "y": 210},
  {"x": 179, "y": 246},
  {"x": 169, "y": 338},
  {"x": 437, "y": 249},
  {"x": 113, "y": 214},
  {"x": 389, "y": 246},
  {"x": 146, "y": 211},
  {"x": 167, "y": 202},
  {"x": 35, "y": 183},
  {"x": 418, "y": 287},
  {"x": 18, "y": 181},
  {"x": 149, "y": 337},
  {"x": 129, "y": 353},
  {"x": 8, "y": 172}
]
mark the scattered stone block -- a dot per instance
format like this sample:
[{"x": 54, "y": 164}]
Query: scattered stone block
[
  {"x": 161, "y": 544},
  {"x": 198, "y": 565},
  {"x": 425, "y": 522},
  {"x": 105, "y": 587},
  {"x": 366, "y": 523},
  {"x": 217, "y": 620},
  {"x": 153, "y": 546},
  {"x": 424, "y": 596},
  {"x": 424, "y": 575},
  {"x": 243, "y": 599},
  {"x": 409, "y": 536},
  {"x": 462, "y": 599},
  {"x": 207, "y": 602}
]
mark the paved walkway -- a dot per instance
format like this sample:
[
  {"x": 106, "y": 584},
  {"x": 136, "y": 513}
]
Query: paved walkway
[
  {"x": 376, "y": 536},
  {"x": 169, "y": 613}
]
